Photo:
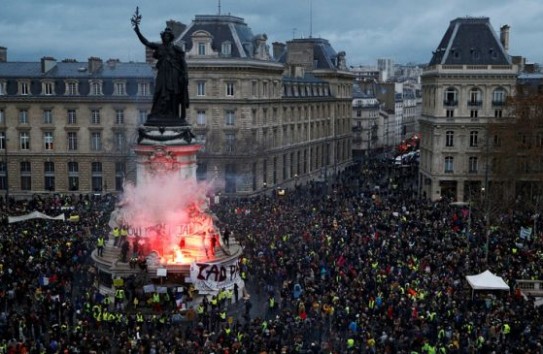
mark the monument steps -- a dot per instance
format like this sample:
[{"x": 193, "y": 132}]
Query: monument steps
[{"x": 111, "y": 258}]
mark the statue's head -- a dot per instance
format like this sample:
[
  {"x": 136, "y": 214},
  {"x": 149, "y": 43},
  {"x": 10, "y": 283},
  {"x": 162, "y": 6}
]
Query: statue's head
[{"x": 167, "y": 35}]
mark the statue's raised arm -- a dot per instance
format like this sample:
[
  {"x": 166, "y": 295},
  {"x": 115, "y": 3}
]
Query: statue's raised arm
[{"x": 136, "y": 19}]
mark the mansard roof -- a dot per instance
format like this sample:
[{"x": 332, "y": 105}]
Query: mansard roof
[
  {"x": 74, "y": 69},
  {"x": 470, "y": 41},
  {"x": 324, "y": 55},
  {"x": 222, "y": 28}
]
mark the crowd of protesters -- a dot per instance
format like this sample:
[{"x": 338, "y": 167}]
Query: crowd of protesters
[
  {"x": 44, "y": 265},
  {"x": 383, "y": 271},
  {"x": 363, "y": 265}
]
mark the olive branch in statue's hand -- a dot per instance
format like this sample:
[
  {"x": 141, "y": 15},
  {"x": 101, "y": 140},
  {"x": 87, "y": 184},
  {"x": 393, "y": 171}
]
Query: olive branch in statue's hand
[{"x": 136, "y": 19}]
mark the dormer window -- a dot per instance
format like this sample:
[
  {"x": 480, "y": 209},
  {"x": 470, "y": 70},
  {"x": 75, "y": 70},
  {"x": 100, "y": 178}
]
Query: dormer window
[
  {"x": 201, "y": 49},
  {"x": 24, "y": 88},
  {"x": 96, "y": 87},
  {"x": 120, "y": 88},
  {"x": 455, "y": 53},
  {"x": 2, "y": 88},
  {"x": 143, "y": 89},
  {"x": 48, "y": 88},
  {"x": 493, "y": 53},
  {"x": 202, "y": 45},
  {"x": 226, "y": 49},
  {"x": 71, "y": 88},
  {"x": 475, "y": 54}
]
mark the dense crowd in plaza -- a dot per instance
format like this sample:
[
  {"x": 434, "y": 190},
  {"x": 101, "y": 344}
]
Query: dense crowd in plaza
[{"x": 336, "y": 268}]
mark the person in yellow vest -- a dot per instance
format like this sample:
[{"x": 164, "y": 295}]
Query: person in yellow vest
[
  {"x": 221, "y": 297},
  {"x": 116, "y": 235},
  {"x": 140, "y": 320},
  {"x": 214, "y": 302},
  {"x": 506, "y": 329},
  {"x": 229, "y": 296},
  {"x": 350, "y": 343},
  {"x": 200, "y": 309},
  {"x": 271, "y": 305},
  {"x": 97, "y": 313},
  {"x": 124, "y": 233},
  {"x": 100, "y": 242},
  {"x": 106, "y": 302},
  {"x": 155, "y": 300},
  {"x": 119, "y": 299}
]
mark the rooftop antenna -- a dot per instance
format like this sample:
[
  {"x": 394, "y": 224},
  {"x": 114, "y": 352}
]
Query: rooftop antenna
[
  {"x": 310, "y": 18},
  {"x": 219, "y": 1},
  {"x": 294, "y": 33}
]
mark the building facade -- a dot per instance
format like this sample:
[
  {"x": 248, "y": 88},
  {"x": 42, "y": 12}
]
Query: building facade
[
  {"x": 265, "y": 121},
  {"x": 464, "y": 87},
  {"x": 366, "y": 122},
  {"x": 68, "y": 126}
]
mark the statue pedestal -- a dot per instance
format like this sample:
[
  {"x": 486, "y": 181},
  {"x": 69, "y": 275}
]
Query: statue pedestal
[{"x": 163, "y": 150}]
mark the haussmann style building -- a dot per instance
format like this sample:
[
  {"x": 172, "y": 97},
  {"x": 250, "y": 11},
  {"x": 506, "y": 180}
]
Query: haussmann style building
[
  {"x": 464, "y": 87},
  {"x": 267, "y": 118},
  {"x": 67, "y": 126}
]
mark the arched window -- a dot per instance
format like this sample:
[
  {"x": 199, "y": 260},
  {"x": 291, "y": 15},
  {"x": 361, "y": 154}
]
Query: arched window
[
  {"x": 450, "y": 97},
  {"x": 475, "y": 97},
  {"x": 499, "y": 96}
]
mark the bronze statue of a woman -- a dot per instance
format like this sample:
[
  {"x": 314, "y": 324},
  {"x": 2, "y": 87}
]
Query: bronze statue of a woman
[{"x": 171, "y": 85}]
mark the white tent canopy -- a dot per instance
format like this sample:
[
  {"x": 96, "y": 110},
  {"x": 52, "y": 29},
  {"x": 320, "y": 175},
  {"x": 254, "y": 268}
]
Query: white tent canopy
[{"x": 486, "y": 281}]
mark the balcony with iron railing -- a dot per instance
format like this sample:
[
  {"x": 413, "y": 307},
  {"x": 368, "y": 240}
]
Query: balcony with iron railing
[
  {"x": 475, "y": 103},
  {"x": 450, "y": 103},
  {"x": 498, "y": 103}
]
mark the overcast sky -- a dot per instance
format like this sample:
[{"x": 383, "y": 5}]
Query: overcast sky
[{"x": 403, "y": 30}]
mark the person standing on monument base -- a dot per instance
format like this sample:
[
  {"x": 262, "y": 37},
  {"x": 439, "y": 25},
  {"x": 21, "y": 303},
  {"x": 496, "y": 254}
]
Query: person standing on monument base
[{"x": 171, "y": 84}]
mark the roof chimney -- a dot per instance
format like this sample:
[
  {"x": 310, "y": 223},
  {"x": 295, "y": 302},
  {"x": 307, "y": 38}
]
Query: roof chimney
[
  {"x": 95, "y": 65},
  {"x": 3, "y": 54},
  {"x": 47, "y": 63},
  {"x": 504, "y": 37}
]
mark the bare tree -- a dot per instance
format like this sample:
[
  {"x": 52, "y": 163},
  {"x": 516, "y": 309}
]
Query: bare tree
[{"x": 515, "y": 152}]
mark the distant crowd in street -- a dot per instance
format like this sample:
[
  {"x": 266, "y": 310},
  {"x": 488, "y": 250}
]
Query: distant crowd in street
[{"x": 359, "y": 265}]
